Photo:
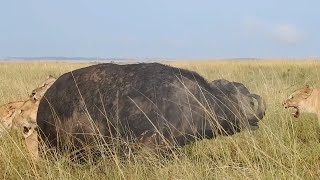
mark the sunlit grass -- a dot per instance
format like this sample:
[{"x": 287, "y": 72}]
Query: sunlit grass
[{"x": 282, "y": 148}]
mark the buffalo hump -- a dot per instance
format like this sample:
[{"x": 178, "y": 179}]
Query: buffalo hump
[{"x": 149, "y": 104}]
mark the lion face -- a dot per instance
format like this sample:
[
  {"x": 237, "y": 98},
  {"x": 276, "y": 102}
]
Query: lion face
[
  {"x": 24, "y": 121},
  {"x": 297, "y": 98},
  {"x": 38, "y": 93},
  {"x": 25, "y": 117},
  {"x": 27, "y": 111}
]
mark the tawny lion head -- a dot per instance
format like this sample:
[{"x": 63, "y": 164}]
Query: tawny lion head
[
  {"x": 38, "y": 93},
  {"x": 7, "y": 114},
  {"x": 296, "y": 99},
  {"x": 21, "y": 116},
  {"x": 24, "y": 121}
]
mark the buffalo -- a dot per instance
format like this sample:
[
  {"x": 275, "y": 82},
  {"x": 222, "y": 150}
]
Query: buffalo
[{"x": 147, "y": 104}]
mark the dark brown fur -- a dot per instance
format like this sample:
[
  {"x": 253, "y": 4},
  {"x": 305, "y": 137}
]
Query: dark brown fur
[{"x": 150, "y": 104}]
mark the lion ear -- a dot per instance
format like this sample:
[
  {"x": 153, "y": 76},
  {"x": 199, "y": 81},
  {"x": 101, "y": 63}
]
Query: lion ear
[
  {"x": 50, "y": 76},
  {"x": 308, "y": 90}
]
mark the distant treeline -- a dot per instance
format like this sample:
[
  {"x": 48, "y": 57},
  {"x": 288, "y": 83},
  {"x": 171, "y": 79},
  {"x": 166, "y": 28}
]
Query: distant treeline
[{"x": 64, "y": 58}]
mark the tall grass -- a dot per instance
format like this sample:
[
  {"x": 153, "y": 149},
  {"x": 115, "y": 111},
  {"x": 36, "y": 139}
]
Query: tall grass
[{"x": 282, "y": 148}]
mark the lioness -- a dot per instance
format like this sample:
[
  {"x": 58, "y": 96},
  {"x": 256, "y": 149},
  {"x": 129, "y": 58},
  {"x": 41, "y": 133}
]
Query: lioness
[
  {"x": 305, "y": 99},
  {"x": 24, "y": 120},
  {"x": 22, "y": 116},
  {"x": 38, "y": 93},
  {"x": 6, "y": 112}
]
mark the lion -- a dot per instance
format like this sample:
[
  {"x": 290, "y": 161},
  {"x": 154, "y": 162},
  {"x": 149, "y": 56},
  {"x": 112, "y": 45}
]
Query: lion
[
  {"x": 305, "y": 100},
  {"x": 24, "y": 121},
  {"x": 21, "y": 115},
  {"x": 6, "y": 112},
  {"x": 38, "y": 93}
]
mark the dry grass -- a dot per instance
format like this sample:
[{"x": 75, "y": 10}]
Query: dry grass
[{"x": 283, "y": 147}]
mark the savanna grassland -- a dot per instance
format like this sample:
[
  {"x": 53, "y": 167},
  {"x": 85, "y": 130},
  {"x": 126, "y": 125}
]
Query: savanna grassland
[{"x": 282, "y": 148}]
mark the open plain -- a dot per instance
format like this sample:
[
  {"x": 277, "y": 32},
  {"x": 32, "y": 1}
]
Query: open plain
[{"x": 283, "y": 147}]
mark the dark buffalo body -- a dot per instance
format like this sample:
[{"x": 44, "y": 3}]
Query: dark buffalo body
[{"x": 149, "y": 103}]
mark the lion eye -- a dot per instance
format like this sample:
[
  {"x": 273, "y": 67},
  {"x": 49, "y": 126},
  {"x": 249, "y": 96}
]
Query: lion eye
[
  {"x": 290, "y": 97},
  {"x": 44, "y": 85}
]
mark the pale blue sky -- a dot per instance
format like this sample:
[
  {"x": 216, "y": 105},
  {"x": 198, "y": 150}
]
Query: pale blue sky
[{"x": 160, "y": 29}]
